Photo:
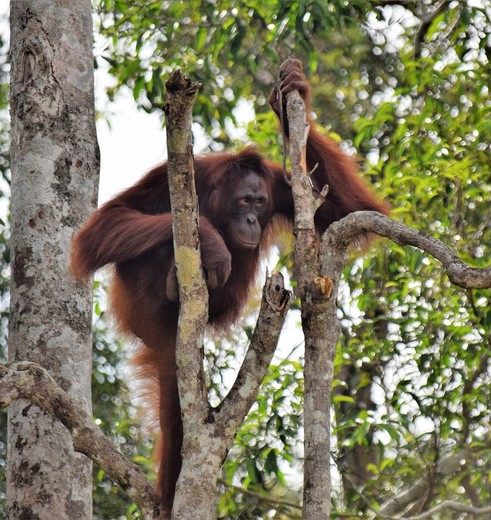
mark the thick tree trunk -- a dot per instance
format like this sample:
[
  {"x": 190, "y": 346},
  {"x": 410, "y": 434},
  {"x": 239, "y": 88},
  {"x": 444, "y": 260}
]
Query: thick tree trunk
[{"x": 54, "y": 161}]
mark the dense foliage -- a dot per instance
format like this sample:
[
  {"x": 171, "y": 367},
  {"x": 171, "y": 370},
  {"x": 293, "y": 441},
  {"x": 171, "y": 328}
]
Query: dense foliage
[{"x": 231, "y": 47}]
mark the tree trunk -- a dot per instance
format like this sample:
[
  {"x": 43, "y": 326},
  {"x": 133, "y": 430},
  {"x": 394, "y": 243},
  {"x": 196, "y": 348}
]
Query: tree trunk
[{"x": 54, "y": 162}]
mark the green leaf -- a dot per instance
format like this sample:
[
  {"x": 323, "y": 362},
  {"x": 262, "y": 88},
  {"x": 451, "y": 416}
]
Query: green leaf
[
  {"x": 253, "y": 472},
  {"x": 343, "y": 399},
  {"x": 200, "y": 39}
]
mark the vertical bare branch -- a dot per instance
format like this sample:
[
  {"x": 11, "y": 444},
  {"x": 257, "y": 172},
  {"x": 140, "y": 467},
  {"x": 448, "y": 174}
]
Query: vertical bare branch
[
  {"x": 314, "y": 292},
  {"x": 193, "y": 298},
  {"x": 193, "y": 294},
  {"x": 208, "y": 433}
]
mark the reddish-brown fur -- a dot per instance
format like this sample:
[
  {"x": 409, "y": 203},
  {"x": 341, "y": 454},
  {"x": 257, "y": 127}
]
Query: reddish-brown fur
[{"x": 134, "y": 232}]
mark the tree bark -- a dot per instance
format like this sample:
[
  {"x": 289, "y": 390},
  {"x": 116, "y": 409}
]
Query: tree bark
[
  {"x": 31, "y": 381},
  {"x": 208, "y": 432},
  {"x": 55, "y": 164},
  {"x": 319, "y": 322},
  {"x": 193, "y": 494},
  {"x": 343, "y": 232}
]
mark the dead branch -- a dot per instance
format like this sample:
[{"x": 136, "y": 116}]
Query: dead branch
[
  {"x": 31, "y": 381},
  {"x": 198, "y": 464},
  {"x": 274, "y": 306},
  {"x": 193, "y": 293},
  {"x": 319, "y": 321},
  {"x": 342, "y": 233}
]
